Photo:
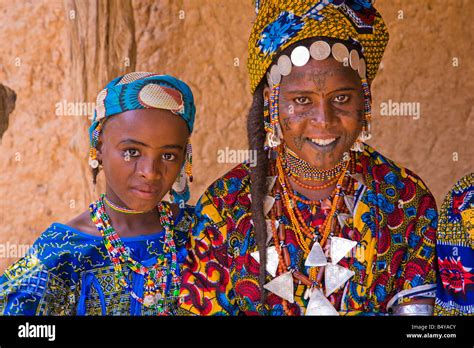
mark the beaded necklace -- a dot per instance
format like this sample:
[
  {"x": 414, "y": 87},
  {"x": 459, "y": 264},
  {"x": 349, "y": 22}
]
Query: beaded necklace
[
  {"x": 328, "y": 228},
  {"x": 311, "y": 187},
  {"x": 156, "y": 277},
  {"x": 121, "y": 209},
  {"x": 297, "y": 167},
  {"x": 301, "y": 228},
  {"x": 322, "y": 203}
]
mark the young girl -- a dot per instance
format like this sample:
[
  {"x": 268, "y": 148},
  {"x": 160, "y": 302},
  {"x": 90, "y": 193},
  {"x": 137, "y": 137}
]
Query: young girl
[{"x": 123, "y": 255}]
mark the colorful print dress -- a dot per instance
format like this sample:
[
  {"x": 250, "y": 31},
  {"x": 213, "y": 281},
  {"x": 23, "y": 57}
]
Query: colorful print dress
[
  {"x": 455, "y": 249},
  {"x": 68, "y": 272},
  {"x": 394, "y": 224}
]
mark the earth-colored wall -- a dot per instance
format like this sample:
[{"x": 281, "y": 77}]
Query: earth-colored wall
[{"x": 204, "y": 43}]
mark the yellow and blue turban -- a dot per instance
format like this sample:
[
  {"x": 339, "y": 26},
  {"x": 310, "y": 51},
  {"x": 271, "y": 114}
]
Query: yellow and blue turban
[
  {"x": 352, "y": 31},
  {"x": 281, "y": 23},
  {"x": 145, "y": 90}
]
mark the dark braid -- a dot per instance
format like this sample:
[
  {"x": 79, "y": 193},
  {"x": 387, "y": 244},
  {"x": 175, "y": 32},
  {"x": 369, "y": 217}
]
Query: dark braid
[{"x": 258, "y": 174}]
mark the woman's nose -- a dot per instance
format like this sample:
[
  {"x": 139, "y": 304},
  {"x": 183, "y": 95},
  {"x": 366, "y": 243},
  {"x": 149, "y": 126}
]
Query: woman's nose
[{"x": 321, "y": 115}]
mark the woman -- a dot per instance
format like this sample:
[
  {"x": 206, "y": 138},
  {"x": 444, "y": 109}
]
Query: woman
[
  {"x": 123, "y": 255},
  {"x": 455, "y": 251},
  {"x": 324, "y": 223}
]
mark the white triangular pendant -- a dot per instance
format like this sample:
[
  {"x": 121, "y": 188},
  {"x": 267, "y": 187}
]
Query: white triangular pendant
[
  {"x": 350, "y": 203},
  {"x": 268, "y": 204},
  {"x": 340, "y": 247},
  {"x": 282, "y": 286},
  {"x": 335, "y": 276},
  {"x": 326, "y": 204},
  {"x": 316, "y": 256},
  {"x": 342, "y": 219},
  {"x": 319, "y": 305},
  {"x": 359, "y": 178},
  {"x": 271, "y": 182},
  {"x": 272, "y": 260},
  {"x": 269, "y": 228},
  {"x": 307, "y": 293}
]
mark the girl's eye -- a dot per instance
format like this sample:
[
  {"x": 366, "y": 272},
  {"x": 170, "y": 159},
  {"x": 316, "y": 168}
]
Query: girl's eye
[
  {"x": 341, "y": 99},
  {"x": 168, "y": 156},
  {"x": 131, "y": 153},
  {"x": 302, "y": 100}
]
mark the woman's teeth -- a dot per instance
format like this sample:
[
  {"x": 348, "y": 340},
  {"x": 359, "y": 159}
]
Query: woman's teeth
[{"x": 323, "y": 142}]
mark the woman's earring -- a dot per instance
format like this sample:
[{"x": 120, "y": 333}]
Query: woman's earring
[
  {"x": 366, "y": 133},
  {"x": 274, "y": 132}
]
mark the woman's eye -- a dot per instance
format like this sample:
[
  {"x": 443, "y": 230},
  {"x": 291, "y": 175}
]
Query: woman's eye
[
  {"x": 302, "y": 100},
  {"x": 341, "y": 99},
  {"x": 131, "y": 153},
  {"x": 168, "y": 156}
]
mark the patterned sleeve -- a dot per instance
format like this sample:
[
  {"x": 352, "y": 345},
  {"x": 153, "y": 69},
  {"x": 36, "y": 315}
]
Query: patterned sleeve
[
  {"x": 455, "y": 249},
  {"x": 417, "y": 278},
  {"x": 41, "y": 282},
  {"x": 206, "y": 285},
  {"x": 27, "y": 288}
]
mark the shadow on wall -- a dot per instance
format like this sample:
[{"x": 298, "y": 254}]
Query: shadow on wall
[{"x": 7, "y": 105}]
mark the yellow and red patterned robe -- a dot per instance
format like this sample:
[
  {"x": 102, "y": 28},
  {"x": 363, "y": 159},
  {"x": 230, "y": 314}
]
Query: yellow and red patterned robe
[{"x": 394, "y": 224}]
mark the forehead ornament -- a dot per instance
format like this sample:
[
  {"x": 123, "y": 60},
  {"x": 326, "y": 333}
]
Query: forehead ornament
[{"x": 319, "y": 50}]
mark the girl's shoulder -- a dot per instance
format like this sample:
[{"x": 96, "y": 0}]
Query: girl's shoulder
[
  {"x": 83, "y": 223},
  {"x": 70, "y": 248},
  {"x": 60, "y": 252}
]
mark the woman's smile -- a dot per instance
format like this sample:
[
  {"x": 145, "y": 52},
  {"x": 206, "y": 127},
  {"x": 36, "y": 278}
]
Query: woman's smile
[{"x": 323, "y": 144}]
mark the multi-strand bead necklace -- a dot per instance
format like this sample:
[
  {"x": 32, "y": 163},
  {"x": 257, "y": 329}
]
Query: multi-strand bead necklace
[
  {"x": 156, "y": 277},
  {"x": 284, "y": 198}
]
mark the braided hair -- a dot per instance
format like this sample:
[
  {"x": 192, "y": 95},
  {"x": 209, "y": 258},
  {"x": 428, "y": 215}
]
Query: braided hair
[{"x": 258, "y": 173}]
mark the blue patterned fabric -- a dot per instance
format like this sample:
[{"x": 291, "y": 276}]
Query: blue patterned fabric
[
  {"x": 68, "y": 272},
  {"x": 123, "y": 94},
  {"x": 455, "y": 251}
]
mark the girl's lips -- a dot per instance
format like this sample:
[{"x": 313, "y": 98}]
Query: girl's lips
[{"x": 145, "y": 194}]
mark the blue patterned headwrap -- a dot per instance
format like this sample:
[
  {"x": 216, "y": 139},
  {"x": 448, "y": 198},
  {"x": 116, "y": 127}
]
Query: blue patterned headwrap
[{"x": 145, "y": 90}]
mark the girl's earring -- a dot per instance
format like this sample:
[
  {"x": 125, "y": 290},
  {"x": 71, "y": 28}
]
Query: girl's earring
[
  {"x": 93, "y": 162},
  {"x": 180, "y": 192}
]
